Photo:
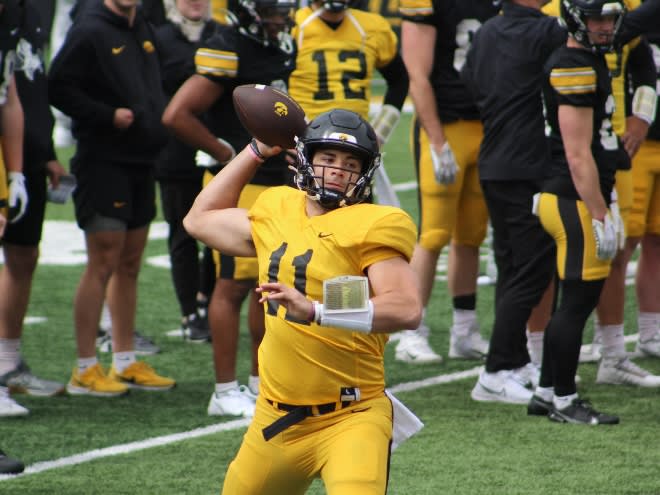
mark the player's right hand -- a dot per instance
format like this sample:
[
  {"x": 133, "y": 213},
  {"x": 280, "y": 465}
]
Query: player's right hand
[
  {"x": 123, "y": 118},
  {"x": 606, "y": 237},
  {"x": 445, "y": 167}
]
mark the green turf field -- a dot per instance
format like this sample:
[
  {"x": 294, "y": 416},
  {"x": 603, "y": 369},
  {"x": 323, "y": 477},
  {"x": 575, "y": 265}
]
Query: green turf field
[{"x": 465, "y": 448}]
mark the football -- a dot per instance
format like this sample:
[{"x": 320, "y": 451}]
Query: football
[{"x": 269, "y": 114}]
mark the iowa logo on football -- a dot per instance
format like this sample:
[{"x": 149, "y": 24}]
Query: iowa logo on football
[{"x": 281, "y": 109}]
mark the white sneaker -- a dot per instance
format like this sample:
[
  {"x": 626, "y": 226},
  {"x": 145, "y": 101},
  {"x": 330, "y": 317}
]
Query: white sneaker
[
  {"x": 500, "y": 386},
  {"x": 474, "y": 346},
  {"x": 590, "y": 353},
  {"x": 235, "y": 402},
  {"x": 649, "y": 347},
  {"x": 528, "y": 375},
  {"x": 423, "y": 329},
  {"x": 413, "y": 347},
  {"x": 9, "y": 407},
  {"x": 622, "y": 371}
]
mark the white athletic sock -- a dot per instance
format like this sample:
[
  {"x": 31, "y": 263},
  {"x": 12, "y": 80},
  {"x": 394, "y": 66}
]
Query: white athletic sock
[
  {"x": 463, "y": 321},
  {"x": 613, "y": 343},
  {"x": 535, "y": 346},
  {"x": 545, "y": 393},
  {"x": 106, "y": 320},
  {"x": 225, "y": 387},
  {"x": 122, "y": 360},
  {"x": 648, "y": 325},
  {"x": 562, "y": 402},
  {"x": 597, "y": 327},
  {"x": 253, "y": 384},
  {"x": 85, "y": 363},
  {"x": 10, "y": 354}
]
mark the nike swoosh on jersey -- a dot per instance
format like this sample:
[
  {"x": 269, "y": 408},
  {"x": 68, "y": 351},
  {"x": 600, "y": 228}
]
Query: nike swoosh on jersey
[
  {"x": 324, "y": 234},
  {"x": 118, "y": 50},
  {"x": 119, "y": 204}
]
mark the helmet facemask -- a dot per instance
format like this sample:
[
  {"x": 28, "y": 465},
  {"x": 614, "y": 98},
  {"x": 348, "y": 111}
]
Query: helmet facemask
[
  {"x": 575, "y": 13},
  {"x": 267, "y": 21},
  {"x": 332, "y": 130}
]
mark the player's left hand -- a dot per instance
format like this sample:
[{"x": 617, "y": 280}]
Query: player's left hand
[
  {"x": 296, "y": 304},
  {"x": 18, "y": 196},
  {"x": 636, "y": 131},
  {"x": 445, "y": 166}
]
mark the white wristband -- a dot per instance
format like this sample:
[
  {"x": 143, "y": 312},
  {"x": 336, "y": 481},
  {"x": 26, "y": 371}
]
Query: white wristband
[
  {"x": 644, "y": 103},
  {"x": 357, "y": 321}
]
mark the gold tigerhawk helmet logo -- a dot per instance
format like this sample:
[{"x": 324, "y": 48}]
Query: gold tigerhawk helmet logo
[
  {"x": 343, "y": 137},
  {"x": 280, "y": 109}
]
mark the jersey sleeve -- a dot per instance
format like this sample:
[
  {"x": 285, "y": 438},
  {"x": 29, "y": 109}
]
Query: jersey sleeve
[
  {"x": 421, "y": 11},
  {"x": 217, "y": 60},
  {"x": 386, "y": 43},
  {"x": 574, "y": 81},
  {"x": 389, "y": 236}
]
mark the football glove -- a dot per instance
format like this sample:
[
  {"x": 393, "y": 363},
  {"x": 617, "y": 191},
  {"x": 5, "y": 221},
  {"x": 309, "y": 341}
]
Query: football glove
[
  {"x": 619, "y": 225},
  {"x": 18, "y": 197},
  {"x": 385, "y": 122},
  {"x": 606, "y": 237},
  {"x": 444, "y": 164}
]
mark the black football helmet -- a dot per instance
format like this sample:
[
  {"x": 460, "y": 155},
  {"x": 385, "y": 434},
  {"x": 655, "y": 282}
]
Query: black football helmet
[
  {"x": 335, "y": 5},
  {"x": 342, "y": 130},
  {"x": 267, "y": 21},
  {"x": 574, "y": 14}
]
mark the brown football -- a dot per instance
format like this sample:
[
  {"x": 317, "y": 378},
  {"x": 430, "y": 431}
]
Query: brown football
[{"x": 268, "y": 114}]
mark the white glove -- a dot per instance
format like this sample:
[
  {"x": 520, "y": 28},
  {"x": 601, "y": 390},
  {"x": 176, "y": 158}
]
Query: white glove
[
  {"x": 618, "y": 221},
  {"x": 203, "y": 159},
  {"x": 606, "y": 237},
  {"x": 444, "y": 164},
  {"x": 18, "y": 197}
]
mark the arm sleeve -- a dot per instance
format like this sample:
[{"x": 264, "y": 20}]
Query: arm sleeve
[
  {"x": 396, "y": 76},
  {"x": 68, "y": 79}
]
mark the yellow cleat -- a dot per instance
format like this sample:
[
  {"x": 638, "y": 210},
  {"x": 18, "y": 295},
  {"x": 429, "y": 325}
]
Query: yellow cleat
[
  {"x": 95, "y": 382},
  {"x": 141, "y": 375}
]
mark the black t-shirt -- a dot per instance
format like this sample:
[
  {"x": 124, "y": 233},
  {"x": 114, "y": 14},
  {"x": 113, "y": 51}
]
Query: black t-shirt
[
  {"x": 580, "y": 78},
  {"x": 504, "y": 72},
  {"x": 231, "y": 59},
  {"x": 456, "y": 22}
]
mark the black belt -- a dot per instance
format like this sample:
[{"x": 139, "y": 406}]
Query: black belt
[{"x": 295, "y": 414}]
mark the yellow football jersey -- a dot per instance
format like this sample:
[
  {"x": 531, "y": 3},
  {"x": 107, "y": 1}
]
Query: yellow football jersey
[
  {"x": 616, "y": 62},
  {"x": 303, "y": 363},
  {"x": 334, "y": 67}
]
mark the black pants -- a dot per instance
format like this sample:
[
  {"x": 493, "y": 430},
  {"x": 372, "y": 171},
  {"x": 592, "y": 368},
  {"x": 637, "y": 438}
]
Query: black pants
[
  {"x": 525, "y": 259},
  {"x": 177, "y": 197}
]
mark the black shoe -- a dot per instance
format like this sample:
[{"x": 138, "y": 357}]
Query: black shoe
[
  {"x": 198, "y": 329},
  {"x": 581, "y": 412},
  {"x": 538, "y": 406},
  {"x": 9, "y": 465}
]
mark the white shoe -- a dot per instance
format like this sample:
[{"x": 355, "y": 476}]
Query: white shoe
[
  {"x": 413, "y": 347},
  {"x": 234, "y": 402},
  {"x": 649, "y": 347},
  {"x": 501, "y": 386},
  {"x": 528, "y": 375},
  {"x": 474, "y": 346},
  {"x": 9, "y": 407},
  {"x": 590, "y": 353},
  {"x": 622, "y": 371},
  {"x": 423, "y": 329}
]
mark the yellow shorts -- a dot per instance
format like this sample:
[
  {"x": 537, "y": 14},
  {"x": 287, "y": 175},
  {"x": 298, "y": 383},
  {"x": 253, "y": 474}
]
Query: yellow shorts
[
  {"x": 235, "y": 267},
  {"x": 645, "y": 213},
  {"x": 349, "y": 449},
  {"x": 456, "y": 211},
  {"x": 569, "y": 224},
  {"x": 4, "y": 193}
]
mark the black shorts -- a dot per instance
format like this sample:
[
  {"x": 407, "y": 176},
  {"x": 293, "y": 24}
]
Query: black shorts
[
  {"x": 27, "y": 231},
  {"x": 123, "y": 191}
]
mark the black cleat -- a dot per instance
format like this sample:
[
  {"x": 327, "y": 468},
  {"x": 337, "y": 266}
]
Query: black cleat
[
  {"x": 538, "y": 406},
  {"x": 198, "y": 329},
  {"x": 582, "y": 413},
  {"x": 9, "y": 465}
]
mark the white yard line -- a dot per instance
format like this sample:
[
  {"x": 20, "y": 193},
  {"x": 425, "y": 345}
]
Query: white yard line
[{"x": 128, "y": 448}]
